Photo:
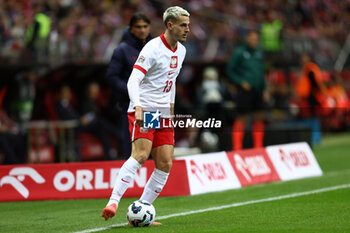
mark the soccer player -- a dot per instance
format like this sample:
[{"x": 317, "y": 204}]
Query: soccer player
[
  {"x": 120, "y": 67},
  {"x": 151, "y": 87}
]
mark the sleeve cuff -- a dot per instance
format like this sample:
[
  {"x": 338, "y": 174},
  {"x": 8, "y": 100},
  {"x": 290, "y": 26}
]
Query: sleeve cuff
[{"x": 140, "y": 68}]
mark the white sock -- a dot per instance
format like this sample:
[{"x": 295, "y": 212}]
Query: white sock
[
  {"x": 124, "y": 180},
  {"x": 154, "y": 185}
]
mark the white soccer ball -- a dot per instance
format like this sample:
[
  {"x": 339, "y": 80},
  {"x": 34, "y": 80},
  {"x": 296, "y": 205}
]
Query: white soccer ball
[{"x": 141, "y": 213}]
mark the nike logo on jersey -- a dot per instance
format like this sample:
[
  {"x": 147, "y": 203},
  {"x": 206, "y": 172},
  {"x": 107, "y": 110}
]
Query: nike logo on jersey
[
  {"x": 125, "y": 181},
  {"x": 157, "y": 191},
  {"x": 170, "y": 73}
]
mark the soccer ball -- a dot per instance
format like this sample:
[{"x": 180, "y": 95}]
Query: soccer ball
[{"x": 141, "y": 213}]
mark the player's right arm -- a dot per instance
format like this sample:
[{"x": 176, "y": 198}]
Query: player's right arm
[
  {"x": 134, "y": 93},
  {"x": 144, "y": 62}
]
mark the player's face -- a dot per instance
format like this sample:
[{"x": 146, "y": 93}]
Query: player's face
[
  {"x": 181, "y": 28},
  {"x": 140, "y": 29}
]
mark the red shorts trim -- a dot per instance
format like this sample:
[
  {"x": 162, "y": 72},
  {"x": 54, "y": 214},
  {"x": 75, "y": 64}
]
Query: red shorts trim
[{"x": 159, "y": 137}]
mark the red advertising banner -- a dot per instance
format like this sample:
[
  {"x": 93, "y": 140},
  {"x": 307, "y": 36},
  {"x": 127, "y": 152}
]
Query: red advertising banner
[
  {"x": 81, "y": 180},
  {"x": 252, "y": 166},
  {"x": 190, "y": 175}
]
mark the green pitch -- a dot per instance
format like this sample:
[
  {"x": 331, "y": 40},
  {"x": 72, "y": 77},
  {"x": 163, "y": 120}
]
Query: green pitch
[{"x": 323, "y": 211}]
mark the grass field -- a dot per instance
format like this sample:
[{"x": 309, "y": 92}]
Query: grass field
[{"x": 251, "y": 210}]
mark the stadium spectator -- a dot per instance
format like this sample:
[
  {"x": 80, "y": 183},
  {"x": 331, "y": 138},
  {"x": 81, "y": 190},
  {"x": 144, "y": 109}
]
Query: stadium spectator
[
  {"x": 124, "y": 56},
  {"x": 211, "y": 97},
  {"x": 92, "y": 122},
  {"x": 271, "y": 32},
  {"x": 211, "y": 93},
  {"x": 341, "y": 104},
  {"x": 19, "y": 100},
  {"x": 271, "y": 38},
  {"x": 66, "y": 111},
  {"x": 246, "y": 71},
  {"x": 38, "y": 33},
  {"x": 310, "y": 86},
  {"x": 12, "y": 140},
  {"x": 64, "y": 108}
]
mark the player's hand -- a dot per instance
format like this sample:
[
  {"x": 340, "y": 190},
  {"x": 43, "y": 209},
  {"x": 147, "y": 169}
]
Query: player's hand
[
  {"x": 246, "y": 86},
  {"x": 139, "y": 116}
]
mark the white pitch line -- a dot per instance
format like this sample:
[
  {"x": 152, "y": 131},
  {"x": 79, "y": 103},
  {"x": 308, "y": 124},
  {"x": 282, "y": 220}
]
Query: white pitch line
[{"x": 315, "y": 191}]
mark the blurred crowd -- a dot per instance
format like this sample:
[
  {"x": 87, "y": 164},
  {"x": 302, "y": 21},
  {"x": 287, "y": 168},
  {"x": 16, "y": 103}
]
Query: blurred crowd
[{"x": 88, "y": 30}]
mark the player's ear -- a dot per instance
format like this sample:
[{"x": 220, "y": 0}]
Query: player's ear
[{"x": 169, "y": 24}]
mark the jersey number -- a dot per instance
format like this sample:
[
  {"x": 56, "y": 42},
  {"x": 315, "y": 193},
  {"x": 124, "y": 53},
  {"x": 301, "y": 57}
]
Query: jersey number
[{"x": 168, "y": 86}]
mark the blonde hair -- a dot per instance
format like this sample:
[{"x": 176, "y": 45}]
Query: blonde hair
[{"x": 173, "y": 13}]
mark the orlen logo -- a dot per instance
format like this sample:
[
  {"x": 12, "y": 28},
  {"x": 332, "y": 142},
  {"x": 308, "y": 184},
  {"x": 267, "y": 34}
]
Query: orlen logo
[
  {"x": 16, "y": 175},
  {"x": 85, "y": 179},
  {"x": 294, "y": 159},
  {"x": 211, "y": 171},
  {"x": 256, "y": 165}
]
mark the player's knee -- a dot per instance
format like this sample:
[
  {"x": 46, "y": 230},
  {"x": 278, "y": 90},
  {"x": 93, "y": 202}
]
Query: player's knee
[
  {"x": 165, "y": 165},
  {"x": 141, "y": 157}
]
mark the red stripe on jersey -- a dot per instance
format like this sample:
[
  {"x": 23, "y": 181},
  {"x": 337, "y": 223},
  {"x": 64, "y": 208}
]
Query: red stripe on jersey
[
  {"x": 166, "y": 43},
  {"x": 140, "y": 69}
]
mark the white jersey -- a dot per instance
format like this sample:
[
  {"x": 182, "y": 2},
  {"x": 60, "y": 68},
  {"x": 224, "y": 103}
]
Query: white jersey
[{"x": 161, "y": 65}]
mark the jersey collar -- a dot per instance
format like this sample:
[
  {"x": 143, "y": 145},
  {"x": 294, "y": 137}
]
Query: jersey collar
[{"x": 166, "y": 43}]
